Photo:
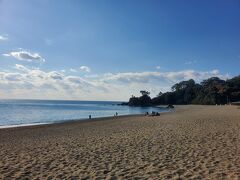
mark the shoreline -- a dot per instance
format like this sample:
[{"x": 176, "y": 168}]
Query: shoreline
[
  {"x": 62, "y": 122},
  {"x": 73, "y": 120}
]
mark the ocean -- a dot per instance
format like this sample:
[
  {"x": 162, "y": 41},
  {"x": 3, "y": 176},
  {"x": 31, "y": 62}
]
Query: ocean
[{"x": 32, "y": 112}]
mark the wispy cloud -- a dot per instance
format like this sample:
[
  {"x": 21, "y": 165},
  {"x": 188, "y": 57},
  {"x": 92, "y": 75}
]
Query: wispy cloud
[
  {"x": 171, "y": 77},
  {"x": 3, "y": 38},
  {"x": 23, "y": 55},
  {"x": 21, "y": 68},
  {"x": 23, "y": 81},
  {"x": 73, "y": 70},
  {"x": 31, "y": 81},
  {"x": 158, "y": 67},
  {"x": 85, "y": 69}
]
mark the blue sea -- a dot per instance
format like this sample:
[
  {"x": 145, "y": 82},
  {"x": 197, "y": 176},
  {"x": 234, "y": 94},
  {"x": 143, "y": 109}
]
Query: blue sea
[{"x": 31, "y": 112}]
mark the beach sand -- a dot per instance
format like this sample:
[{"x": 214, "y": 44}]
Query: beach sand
[{"x": 195, "y": 142}]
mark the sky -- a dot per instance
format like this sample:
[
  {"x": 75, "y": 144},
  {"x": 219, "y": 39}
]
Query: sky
[{"x": 110, "y": 50}]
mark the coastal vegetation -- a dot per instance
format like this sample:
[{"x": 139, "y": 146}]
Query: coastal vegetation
[{"x": 209, "y": 92}]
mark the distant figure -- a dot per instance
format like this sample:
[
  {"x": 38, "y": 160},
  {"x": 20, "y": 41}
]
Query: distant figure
[
  {"x": 90, "y": 117},
  {"x": 116, "y": 113},
  {"x": 170, "y": 106},
  {"x": 153, "y": 114}
]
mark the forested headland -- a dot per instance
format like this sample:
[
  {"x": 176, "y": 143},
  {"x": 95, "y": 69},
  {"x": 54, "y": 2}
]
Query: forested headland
[{"x": 209, "y": 92}]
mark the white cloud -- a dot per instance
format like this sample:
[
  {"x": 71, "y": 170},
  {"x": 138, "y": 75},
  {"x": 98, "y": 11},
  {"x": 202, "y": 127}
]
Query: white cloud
[
  {"x": 73, "y": 70},
  {"x": 21, "y": 67},
  {"x": 55, "y": 75},
  {"x": 12, "y": 77},
  {"x": 28, "y": 82},
  {"x": 35, "y": 83},
  {"x": 158, "y": 67},
  {"x": 215, "y": 72},
  {"x": 175, "y": 76},
  {"x": 3, "y": 38},
  {"x": 23, "y": 55},
  {"x": 85, "y": 69}
]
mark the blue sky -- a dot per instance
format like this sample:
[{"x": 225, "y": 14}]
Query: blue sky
[{"x": 108, "y": 50}]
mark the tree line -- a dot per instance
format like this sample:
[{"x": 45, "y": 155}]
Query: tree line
[{"x": 209, "y": 92}]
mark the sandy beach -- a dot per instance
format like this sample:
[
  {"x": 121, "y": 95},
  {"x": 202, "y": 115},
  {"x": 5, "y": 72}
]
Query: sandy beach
[{"x": 195, "y": 142}]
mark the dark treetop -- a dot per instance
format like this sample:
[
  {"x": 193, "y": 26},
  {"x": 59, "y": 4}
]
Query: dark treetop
[{"x": 211, "y": 91}]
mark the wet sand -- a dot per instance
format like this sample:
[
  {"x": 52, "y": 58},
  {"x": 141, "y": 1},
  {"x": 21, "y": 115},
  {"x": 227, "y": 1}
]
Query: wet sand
[{"x": 195, "y": 142}]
